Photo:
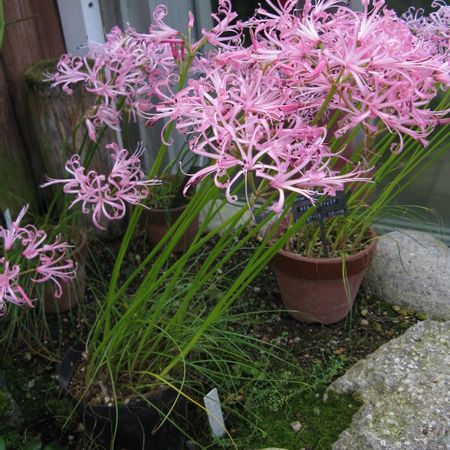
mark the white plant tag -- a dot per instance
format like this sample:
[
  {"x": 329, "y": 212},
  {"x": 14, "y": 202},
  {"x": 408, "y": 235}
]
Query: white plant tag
[
  {"x": 215, "y": 416},
  {"x": 8, "y": 220}
]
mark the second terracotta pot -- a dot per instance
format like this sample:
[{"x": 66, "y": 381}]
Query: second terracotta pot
[
  {"x": 314, "y": 290},
  {"x": 159, "y": 221}
]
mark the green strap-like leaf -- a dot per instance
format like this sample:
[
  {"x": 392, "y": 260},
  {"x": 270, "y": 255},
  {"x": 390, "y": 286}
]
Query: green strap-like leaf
[{"x": 2, "y": 443}]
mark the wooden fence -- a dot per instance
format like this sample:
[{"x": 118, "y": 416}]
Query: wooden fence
[{"x": 32, "y": 33}]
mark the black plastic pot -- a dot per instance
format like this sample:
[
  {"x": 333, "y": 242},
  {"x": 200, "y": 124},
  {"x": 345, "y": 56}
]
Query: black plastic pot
[{"x": 138, "y": 423}]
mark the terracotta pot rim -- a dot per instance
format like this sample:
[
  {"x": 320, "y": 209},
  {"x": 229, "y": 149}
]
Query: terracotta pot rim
[{"x": 324, "y": 261}]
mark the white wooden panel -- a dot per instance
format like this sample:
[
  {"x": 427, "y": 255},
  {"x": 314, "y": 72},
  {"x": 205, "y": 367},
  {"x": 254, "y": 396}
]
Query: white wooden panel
[
  {"x": 135, "y": 13},
  {"x": 81, "y": 23},
  {"x": 202, "y": 12}
]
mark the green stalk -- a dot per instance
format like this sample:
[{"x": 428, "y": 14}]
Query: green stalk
[
  {"x": 325, "y": 104},
  {"x": 259, "y": 259},
  {"x": 137, "y": 211},
  {"x": 414, "y": 164},
  {"x": 206, "y": 272}
]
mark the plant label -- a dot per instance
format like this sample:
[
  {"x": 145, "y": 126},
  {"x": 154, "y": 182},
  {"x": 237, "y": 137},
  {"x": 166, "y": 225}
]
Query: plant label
[
  {"x": 214, "y": 410},
  {"x": 8, "y": 220},
  {"x": 329, "y": 207}
]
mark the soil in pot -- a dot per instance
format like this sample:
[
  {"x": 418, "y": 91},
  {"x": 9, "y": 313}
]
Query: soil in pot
[
  {"x": 322, "y": 290},
  {"x": 73, "y": 290},
  {"x": 134, "y": 425}
]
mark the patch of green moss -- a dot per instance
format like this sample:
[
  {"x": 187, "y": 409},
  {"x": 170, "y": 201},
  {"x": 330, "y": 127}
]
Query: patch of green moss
[
  {"x": 35, "y": 74},
  {"x": 13, "y": 439},
  {"x": 321, "y": 423}
]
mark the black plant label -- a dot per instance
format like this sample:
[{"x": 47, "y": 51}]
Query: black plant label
[{"x": 329, "y": 207}]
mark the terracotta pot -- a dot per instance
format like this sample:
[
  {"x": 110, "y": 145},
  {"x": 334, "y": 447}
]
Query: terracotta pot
[
  {"x": 159, "y": 221},
  {"x": 313, "y": 289},
  {"x": 72, "y": 290}
]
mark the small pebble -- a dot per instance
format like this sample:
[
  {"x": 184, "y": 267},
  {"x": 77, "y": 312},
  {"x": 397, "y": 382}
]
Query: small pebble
[
  {"x": 364, "y": 322},
  {"x": 296, "y": 426},
  {"x": 339, "y": 351}
]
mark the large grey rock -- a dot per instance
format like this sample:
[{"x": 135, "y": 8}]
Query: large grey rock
[
  {"x": 405, "y": 387},
  {"x": 412, "y": 269}
]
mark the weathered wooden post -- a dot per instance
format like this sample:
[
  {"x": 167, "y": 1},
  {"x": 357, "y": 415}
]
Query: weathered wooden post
[
  {"x": 54, "y": 115},
  {"x": 17, "y": 185}
]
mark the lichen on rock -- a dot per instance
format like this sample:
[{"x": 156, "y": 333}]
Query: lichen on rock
[{"x": 405, "y": 387}]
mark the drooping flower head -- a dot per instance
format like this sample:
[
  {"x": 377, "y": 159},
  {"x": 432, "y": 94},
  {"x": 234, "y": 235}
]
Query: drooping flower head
[
  {"x": 124, "y": 74},
  {"x": 30, "y": 258},
  {"x": 106, "y": 196}
]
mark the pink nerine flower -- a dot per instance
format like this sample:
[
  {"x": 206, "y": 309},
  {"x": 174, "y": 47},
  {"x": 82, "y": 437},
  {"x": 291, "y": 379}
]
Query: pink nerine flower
[
  {"x": 131, "y": 71},
  {"x": 380, "y": 68},
  {"x": 125, "y": 73},
  {"x": 434, "y": 28},
  {"x": 11, "y": 234},
  {"x": 255, "y": 111},
  {"x": 106, "y": 196},
  {"x": 244, "y": 121},
  {"x": 29, "y": 256},
  {"x": 10, "y": 290},
  {"x": 53, "y": 266}
]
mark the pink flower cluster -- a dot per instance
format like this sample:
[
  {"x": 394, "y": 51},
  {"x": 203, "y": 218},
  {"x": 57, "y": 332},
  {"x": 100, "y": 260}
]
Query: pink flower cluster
[
  {"x": 382, "y": 72},
  {"x": 27, "y": 255},
  {"x": 124, "y": 74},
  {"x": 256, "y": 112},
  {"x": 434, "y": 28},
  {"x": 130, "y": 71},
  {"x": 106, "y": 196},
  {"x": 243, "y": 123}
]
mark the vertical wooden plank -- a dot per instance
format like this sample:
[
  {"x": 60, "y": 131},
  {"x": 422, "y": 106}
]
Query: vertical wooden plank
[
  {"x": 33, "y": 34},
  {"x": 17, "y": 186}
]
